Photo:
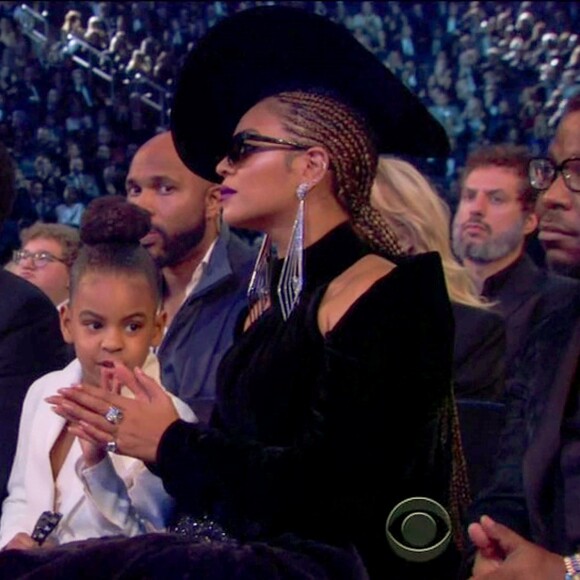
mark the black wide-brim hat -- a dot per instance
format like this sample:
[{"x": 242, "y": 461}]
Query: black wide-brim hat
[{"x": 262, "y": 51}]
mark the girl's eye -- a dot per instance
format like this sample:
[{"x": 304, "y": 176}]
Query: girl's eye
[
  {"x": 133, "y": 326},
  {"x": 93, "y": 325}
]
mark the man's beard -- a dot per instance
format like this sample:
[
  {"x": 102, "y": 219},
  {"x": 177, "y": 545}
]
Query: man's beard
[
  {"x": 490, "y": 250},
  {"x": 176, "y": 249}
]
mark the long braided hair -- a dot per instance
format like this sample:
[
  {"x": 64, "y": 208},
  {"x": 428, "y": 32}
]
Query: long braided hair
[{"x": 319, "y": 118}]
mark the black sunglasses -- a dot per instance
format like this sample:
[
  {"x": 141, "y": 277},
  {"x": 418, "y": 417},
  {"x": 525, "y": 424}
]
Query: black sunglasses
[{"x": 240, "y": 149}]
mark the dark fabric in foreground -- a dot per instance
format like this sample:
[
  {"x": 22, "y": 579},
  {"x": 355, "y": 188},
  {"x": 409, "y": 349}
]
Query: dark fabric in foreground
[{"x": 163, "y": 556}]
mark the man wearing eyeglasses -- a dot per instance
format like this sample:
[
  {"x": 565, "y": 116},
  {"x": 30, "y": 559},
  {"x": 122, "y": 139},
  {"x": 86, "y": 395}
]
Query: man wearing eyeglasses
[
  {"x": 31, "y": 343},
  {"x": 536, "y": 485},
  {"x": 493, "y": 221},
  {"x": 558, "y": 178},
  {"x": 48, "y": 251}
]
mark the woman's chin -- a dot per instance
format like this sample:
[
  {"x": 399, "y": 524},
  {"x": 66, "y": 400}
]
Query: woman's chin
[{"x": 236, "y": 220}]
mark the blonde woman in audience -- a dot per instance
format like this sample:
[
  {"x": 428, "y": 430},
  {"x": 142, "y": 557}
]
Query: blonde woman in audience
[{"x": 420, "y": 219}]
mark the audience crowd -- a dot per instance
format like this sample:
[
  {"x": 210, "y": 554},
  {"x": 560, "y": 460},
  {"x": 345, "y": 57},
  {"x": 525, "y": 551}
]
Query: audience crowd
[
  {"x": 86, "y": 90},
  {"x": 83, "y": 84}
]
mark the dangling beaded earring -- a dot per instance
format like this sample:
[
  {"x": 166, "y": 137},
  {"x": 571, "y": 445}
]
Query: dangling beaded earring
[
  {"x": 292, "y": 276},
  {"x": 259, "y": 288}
]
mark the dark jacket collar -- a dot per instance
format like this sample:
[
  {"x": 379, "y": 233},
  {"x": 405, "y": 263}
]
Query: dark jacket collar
[{"x": 514, "y": 279}]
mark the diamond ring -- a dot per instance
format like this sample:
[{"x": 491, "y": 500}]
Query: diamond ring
[
  {"x": 114, "y": 415},
  {"x": 111, "y": 446}
]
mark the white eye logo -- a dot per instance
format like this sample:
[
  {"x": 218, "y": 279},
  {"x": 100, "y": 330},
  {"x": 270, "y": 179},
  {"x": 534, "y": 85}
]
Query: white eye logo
[{"x": 418, "y": 529}]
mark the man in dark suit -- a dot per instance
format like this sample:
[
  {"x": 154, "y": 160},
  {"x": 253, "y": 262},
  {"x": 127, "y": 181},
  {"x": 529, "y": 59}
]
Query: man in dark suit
[
  {"x": 31, "y": 343},
  {"x": 538, "y": 497},
  {"x": 494, "y": 217}
]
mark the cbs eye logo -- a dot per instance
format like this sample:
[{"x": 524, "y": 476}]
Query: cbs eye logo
[{"x": 418, "y": 529}]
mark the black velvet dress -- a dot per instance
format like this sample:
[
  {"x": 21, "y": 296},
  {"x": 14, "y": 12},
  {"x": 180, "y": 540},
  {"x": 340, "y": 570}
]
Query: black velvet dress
[{"x": 314, "y": 441}]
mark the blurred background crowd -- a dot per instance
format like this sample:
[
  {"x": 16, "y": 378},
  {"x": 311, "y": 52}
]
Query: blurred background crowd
[{"x": 84, "y": 84}]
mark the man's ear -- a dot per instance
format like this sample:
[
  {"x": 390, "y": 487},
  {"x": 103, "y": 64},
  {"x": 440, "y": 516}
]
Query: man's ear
[
  {"x": 212, "y": 202},
  {"x": 315, "y": 167},
  {"x": 160, "y": 322},
  {"x": 530, "y": 223},
  {"x": 66, "y": 323}
]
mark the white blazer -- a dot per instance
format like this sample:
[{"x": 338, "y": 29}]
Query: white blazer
[{"x": 118, "y": 496}]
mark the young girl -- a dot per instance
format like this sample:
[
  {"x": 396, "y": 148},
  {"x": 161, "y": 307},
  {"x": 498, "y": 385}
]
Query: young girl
[{"x": 113, "y": 317}]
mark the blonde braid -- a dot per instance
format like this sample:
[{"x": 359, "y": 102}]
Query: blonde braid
[{"x": 321, "y": 119}]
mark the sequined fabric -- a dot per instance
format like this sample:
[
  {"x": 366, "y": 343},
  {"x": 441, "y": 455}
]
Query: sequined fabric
[{"x": 201, "y": 530}]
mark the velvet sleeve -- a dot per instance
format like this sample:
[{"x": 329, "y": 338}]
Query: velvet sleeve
[{"x": 374, "y": 425}]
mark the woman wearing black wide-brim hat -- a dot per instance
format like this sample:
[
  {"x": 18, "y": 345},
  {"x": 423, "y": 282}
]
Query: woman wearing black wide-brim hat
[{"x": 332, "y": 452}]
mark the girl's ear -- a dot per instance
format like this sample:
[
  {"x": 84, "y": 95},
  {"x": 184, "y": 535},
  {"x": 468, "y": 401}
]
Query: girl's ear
[
  {"x": 159, "y": 324},
  {"x": 66, "y": 323}
]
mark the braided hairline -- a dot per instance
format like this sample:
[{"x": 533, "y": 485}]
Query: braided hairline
[{"x": 321, "y": 119}]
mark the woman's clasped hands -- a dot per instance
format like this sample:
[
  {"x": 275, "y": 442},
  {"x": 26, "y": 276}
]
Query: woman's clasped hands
[{"x": 105, "y": 418}]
